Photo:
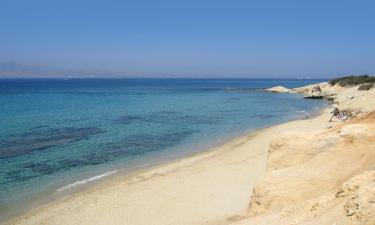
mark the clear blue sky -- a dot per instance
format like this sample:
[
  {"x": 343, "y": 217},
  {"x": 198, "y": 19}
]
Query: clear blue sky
[{"x": 193, "y": 37}]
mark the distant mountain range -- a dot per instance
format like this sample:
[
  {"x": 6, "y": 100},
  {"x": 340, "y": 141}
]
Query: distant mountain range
[{"x": 17, "y": 70}]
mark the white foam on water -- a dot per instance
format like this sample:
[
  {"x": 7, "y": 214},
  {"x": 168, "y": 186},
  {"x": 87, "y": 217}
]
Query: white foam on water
[{"x": 85, "y": 181}]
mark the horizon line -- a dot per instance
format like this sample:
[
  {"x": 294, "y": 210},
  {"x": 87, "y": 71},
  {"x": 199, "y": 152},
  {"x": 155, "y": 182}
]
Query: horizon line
[{"x": 175, "y": 77}]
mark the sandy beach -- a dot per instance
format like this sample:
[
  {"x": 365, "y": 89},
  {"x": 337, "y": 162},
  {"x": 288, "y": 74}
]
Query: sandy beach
[
  {"x": 210, "y": 188},
  {"x": 215, "y": 187}
]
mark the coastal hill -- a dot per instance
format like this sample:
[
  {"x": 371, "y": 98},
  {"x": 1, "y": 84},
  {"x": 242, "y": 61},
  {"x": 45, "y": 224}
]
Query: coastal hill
[
  {"x": 325, "y": 176},
  {"x": 353, "y": 93}
]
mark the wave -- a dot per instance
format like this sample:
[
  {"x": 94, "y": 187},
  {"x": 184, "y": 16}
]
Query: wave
[{"x": 91, "y": 179}]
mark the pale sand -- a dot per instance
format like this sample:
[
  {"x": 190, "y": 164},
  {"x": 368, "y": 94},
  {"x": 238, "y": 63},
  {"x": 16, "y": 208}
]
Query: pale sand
[{"x": 213, "y": 187}]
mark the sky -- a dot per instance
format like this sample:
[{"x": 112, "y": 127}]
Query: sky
[{"x": 235, "y": 38}]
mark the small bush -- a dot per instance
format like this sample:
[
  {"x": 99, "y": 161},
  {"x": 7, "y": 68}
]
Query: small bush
[
  {"x": 365, "y": 87},
  {"x": 353, "y": 80}
]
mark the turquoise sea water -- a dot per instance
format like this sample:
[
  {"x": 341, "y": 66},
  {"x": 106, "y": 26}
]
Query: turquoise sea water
[{"x": 57, "y": 134}]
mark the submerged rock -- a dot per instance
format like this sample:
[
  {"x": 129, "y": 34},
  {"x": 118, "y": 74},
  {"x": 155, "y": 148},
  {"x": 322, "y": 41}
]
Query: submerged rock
[{"x": 43, "y": 139}]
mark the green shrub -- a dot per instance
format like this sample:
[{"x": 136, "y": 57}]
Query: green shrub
[
  {"x": 365, "y": 87},
  {"x": 353, "y": 80}
]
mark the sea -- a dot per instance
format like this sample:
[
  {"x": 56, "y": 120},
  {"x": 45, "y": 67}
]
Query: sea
[{"x": 59, "y": 135}]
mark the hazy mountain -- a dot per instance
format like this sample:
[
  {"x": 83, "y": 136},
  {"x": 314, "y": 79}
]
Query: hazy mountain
[
  {"x": 11, "y": 69},
  {"x": 17, "y": 70}
]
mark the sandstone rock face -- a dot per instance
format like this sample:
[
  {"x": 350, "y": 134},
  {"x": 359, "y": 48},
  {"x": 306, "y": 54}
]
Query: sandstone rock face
[
  {"x": 343, "y": 98},
  {"x": 325, "y": 177},
  {"x": 353, "y": 203},
  {"x": 360, "y": 195}
]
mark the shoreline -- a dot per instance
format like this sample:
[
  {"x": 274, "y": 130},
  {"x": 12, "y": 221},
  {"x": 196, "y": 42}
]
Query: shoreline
[
  {"x": 136, "y": 168},
  {"x": 195, "y": 159}
]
